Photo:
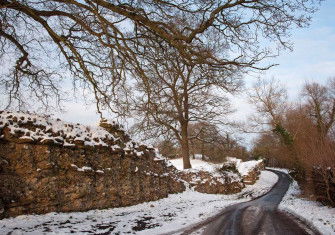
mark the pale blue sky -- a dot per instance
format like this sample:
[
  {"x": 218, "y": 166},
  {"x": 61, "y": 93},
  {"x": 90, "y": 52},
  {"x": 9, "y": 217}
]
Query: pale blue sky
[{"x": 313, "y": 58}]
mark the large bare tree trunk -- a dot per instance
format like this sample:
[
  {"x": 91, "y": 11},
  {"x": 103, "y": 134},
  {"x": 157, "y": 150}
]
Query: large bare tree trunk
[
  {"x": 202, "y": 150},
  {"x": 192, "y": 149},
  {"x": 185, "y": 148}
]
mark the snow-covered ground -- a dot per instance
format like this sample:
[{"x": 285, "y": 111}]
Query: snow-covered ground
[
  {"x": 245, "y": 167},
  {"x": 321, "y": 217},
  {"x": 169, "y": 214},
  {"x": 197, "y": 165},
  {"x": 314, "y": 213},
  {"x": 266, "y": 181},
  {"x": 213, "y": 170}
]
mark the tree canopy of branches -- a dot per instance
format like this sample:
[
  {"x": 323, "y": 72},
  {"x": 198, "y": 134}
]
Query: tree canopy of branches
[
  {"x": 174, "y": 94},
  {"x": 270, "y": 100},
  {"x": 101, "y": 42}
]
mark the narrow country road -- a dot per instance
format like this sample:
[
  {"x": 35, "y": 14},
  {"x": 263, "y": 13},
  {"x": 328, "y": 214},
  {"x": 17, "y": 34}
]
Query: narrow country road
[{"x": 260, "y": 216}]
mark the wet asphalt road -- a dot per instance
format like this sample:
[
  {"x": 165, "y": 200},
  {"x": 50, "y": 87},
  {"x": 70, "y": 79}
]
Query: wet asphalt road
[{"x": 260, "y": 216}]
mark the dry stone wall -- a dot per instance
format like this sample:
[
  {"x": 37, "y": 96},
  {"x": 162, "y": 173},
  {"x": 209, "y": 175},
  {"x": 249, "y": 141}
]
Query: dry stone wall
[
  {"x": 323, "y": 184},
  {"x": 253, "y": 175},
  {"x": 39, "y": 176},
  {"x": 219, "y": 183}
]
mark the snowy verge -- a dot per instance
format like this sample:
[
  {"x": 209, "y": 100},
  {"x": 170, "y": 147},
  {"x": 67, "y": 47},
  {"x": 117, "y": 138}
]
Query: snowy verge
[
  {"x": 169, "y": 214},
  {"x": 319, "y": 216},
  {"x": 267, "y": 180}
]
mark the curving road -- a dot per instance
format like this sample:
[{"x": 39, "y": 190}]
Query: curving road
[{"x": 260, "y": 216}]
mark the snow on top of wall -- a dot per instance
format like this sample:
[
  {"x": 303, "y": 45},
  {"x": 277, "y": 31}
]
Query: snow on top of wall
[
  {"x": 211, "y": 168},
  {"x": 198, "y": 165},
  {"x": 244, "y": 167},
  {"x": 44, "y": 129}
]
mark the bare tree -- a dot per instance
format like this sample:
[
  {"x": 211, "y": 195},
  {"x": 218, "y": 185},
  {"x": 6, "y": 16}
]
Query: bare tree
[
  {"x": 174, "y": 94},
  {"x": 270, "y": 100},
  {"x": 98, "y": 43},
  {"x": 321, "y": 105},
  {"x": 201, "y": 135},
  {"x": 167, "y": 148},
  {"x": 208, "y": 140}
]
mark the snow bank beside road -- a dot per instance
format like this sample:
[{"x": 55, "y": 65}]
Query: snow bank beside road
[
  {"x": 321, "y": 217},
  {"x": 169, "y": 214},
  {"x": 267, "y": 180}
]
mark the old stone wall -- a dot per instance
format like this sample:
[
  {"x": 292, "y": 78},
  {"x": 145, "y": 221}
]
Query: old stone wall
[
  {"x": 323, "y": 184},
  {"x": 207, "y": 182},
  {"x": 253, "y": 175},
  {"x": 41, "y": 178}
]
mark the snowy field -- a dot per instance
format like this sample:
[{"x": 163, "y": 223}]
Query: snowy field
[
  {"x": 163, "y": 216},
  {"x": 314, "y": 213}
]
